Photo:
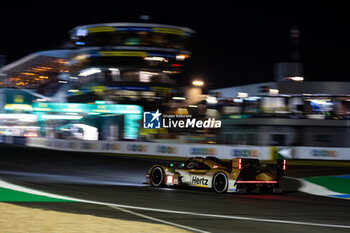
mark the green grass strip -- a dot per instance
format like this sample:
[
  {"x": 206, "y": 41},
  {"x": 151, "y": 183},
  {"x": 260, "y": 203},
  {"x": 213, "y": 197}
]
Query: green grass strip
[
  {"x": 336, "y": 184},
  {"x": 12, "y": 195}
]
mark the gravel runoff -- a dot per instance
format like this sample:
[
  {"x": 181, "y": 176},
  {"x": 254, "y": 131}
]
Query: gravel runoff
[{"x": 18, "y": 219}]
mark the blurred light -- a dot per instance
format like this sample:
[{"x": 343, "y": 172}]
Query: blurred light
[
  {"x": 253, "y": 98},
  {"x": 178, "y": 98},
  {"x": 296, "y": 78},
  {"x": 145, "y": 77},
  {"x": 237, "y": 116},
  {"x": 133, "y": 107},
  {"x": 211, "y": 100},
  {"x": 61, "y": 81},
  {"x": 82, "y": 32},
  {"x": 237, "y": 100},
  {"x": 21, "y": 117},
  {"x": 100, "y": 102},
  {"x": 192, "y": 106},
  {"x": 176, "y": 65},
  {"x": 154, "y": 58},
  {"x": 113, "y": 69},
  {"x": 61, "y": 117},
  {"x": 79, "y": 43},
  {"x": 23, "y": 107},
  {"x": 81, "y": 57},
  {"x": 273, "y": 91},
  {"x": 321, "y": 102},
  {"x": 90, "y": 132},
  {"x": 73, "y": 90},
  {"x": 181, "y": 57},
  {"x": 20, "y": 127},
  {"x": 122, "y": 53},
  {"x": 198, "y": 83},
  {"x": 89, "y": 71},
  {"x": 318, "y": 100},
  {"x": 31, "y": 134},
  {"x": 130, "y": 111},
  {"x": 242, "y": 95},
  {"x": 181, "y": 111},
  {"x": 73, "y": 78}
]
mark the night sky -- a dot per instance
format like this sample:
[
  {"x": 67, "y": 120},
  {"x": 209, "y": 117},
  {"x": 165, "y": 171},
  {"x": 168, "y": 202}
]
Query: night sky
[{"x": 235, "y": 43}]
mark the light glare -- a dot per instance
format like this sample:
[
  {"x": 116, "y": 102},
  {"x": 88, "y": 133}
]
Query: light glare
[{"x": 198, "y": 83}]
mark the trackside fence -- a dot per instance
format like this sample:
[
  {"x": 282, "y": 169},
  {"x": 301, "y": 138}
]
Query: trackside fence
[{"x": 184, "y": 150}]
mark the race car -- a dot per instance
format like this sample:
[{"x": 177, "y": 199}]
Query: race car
[{"x": 241, "y": 175}]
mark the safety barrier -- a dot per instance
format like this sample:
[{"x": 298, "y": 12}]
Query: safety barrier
[
  {"x": 150, "y": 148},
  {"x": 321, "y": 153},
  {"x": 184, "y": 150}
]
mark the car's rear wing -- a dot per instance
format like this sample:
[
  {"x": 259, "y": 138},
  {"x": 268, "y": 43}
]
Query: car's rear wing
[
  {"x": 239, "y": 163},
  {"x": 243, "y": 163}
]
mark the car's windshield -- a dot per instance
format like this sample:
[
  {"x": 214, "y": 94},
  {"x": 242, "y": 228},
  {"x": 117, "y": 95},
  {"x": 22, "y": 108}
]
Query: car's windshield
[{"x": 195, "y": 165}]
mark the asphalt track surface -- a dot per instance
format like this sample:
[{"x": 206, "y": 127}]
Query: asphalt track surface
[{"x": 119, "y": 180}]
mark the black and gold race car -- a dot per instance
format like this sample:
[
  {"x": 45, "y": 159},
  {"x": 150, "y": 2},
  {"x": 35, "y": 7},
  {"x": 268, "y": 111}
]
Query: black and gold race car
[{"x": 239, "y": 175}]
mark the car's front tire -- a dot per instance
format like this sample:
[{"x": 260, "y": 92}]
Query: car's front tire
[
  {"x": 157, "y": 177},
  {"x": 220, "y": 182}
]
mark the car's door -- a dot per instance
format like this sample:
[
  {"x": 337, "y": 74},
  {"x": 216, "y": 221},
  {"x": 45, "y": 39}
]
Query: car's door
[{"x": 194, "y": 174}]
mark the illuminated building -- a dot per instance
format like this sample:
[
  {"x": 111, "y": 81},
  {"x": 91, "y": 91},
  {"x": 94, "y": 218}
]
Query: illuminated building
[
  {"x": 127, "y": 62},
  {"x": 121, "y": 63},
  {"x": 296, "y": 113},
  {"x": 115, "y": 65},
  {"x": 43, "y": 72},
  {"x": 287, "y": 112}
]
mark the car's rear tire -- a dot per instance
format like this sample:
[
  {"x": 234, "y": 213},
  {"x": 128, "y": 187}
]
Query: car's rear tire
[
  {"x": 220, "y": 182},
  {"x": 157, "y": 177}
]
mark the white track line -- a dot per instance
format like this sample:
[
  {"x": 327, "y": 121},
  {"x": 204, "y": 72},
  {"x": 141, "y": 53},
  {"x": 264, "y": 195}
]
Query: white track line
[
  {"x": 36, "y": 192},
  {"x": 159, "y": 220}
]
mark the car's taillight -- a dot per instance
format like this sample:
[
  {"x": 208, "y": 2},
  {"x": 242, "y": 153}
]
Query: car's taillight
[
  {"x": 284, "y": 164},
  {"x": 239, "y": 164}
]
